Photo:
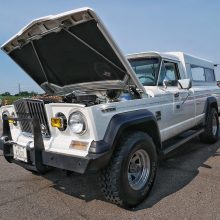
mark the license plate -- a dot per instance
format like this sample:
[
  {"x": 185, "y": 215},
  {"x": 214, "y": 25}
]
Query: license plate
[{"x": 20, "y": 153}]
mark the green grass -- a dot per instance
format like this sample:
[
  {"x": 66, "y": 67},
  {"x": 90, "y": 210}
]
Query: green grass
[{"x": 10, "y": 99}]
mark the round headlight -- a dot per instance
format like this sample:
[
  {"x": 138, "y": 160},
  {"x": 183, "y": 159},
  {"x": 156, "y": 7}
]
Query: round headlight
[{"x": 77, "y": 123}]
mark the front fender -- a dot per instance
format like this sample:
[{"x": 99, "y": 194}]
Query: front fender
[{"x": 143, "y": 120}]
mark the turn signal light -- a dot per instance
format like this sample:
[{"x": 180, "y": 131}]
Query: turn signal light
[
  {"x": 56, "y": 122},
  {"x": 79, "y": 145}
]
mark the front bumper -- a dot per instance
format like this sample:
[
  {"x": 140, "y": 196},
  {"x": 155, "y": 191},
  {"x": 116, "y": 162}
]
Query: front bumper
[{"x": 40, "y": 160}]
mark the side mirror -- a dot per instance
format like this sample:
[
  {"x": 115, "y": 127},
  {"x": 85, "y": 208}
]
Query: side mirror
[
  {"x": 166, "y": 82},
  {"x": 185, "y": 83}
]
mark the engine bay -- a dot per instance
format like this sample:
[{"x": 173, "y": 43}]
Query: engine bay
[
  {"x": 93, "y": 97},
  {"x": 100, "y": 97}
]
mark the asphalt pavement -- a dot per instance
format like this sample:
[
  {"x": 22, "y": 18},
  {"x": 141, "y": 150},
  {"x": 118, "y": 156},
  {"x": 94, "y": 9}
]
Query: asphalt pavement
[{"x": 187, "y": 186}]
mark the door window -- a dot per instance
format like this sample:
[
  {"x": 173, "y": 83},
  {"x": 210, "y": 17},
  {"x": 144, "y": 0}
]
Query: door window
[{"x": 169, "y": 72}]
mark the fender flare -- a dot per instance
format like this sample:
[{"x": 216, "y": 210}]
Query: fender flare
[{"x": 138, "y": 120}]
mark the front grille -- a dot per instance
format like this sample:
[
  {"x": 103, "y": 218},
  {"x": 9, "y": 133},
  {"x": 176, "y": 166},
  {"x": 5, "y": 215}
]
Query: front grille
[{"x": 30, "y": 108}]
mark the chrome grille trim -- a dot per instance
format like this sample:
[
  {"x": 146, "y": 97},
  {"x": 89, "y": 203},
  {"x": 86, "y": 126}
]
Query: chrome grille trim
[{"x": 30, "y": 108}]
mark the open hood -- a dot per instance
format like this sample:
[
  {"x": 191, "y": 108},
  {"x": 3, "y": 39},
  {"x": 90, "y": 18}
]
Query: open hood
[{"x": 70, "y": 51}]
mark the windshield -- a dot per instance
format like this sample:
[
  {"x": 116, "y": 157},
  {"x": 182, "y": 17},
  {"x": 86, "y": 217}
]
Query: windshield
[{"x": 146, "y": 70}]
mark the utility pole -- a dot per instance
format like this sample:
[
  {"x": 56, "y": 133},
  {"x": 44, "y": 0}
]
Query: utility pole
[{"x": 19, "y": 88}]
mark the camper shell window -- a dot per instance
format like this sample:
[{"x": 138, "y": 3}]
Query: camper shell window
[{"x": 202, "y": 74}]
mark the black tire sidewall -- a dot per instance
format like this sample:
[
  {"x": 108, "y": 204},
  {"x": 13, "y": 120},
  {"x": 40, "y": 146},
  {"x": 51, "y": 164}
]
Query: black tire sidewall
[
  {"x": 130, "y": 196},
  {"x": 214, "y": 114},
  {"x": 207, "y": 136}
]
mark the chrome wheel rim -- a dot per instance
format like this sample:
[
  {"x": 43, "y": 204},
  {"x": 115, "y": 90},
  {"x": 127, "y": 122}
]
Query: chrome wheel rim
[
  {"x": 214, "y": 125},
  {"x": 138, "y": 169}
]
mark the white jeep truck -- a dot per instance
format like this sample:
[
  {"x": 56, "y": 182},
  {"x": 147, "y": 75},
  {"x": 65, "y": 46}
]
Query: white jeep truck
[{"x": 118, "y": 115}]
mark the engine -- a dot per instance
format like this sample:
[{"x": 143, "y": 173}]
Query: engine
[
  {"x": 99, "y": 97},
  {"x": 92, "y": 98}
]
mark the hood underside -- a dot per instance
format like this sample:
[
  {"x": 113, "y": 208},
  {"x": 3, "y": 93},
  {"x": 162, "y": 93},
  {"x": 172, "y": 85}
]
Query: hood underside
[{"x": 70, "y": 51}]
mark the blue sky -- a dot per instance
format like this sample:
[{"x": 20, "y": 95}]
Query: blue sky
[{"x": 192, "y": 26}]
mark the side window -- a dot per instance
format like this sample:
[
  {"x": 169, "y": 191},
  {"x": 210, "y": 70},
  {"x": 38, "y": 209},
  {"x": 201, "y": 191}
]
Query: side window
[
  {"x": 169, "y": 72},
  {"x": 202, "y": 74},
  {"x": 209, "y": 75},
  {"x": 198, "y": 73}
]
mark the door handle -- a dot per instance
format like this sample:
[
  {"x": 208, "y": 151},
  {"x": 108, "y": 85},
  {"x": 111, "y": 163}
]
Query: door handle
[
  {"x": 177, "y": 106},
  {"x": 176, "y": 95}
]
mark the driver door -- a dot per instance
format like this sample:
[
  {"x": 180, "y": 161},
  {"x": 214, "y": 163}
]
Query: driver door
[{"x": 180, "y": 108}]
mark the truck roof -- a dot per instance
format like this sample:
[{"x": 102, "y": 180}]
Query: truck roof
[{"x": 177, "y": 56}]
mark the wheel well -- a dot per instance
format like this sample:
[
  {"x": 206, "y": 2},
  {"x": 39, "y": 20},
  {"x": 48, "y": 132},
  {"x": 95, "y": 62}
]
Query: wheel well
[
  {"x": 214, "y": 105},
  {"x": 150, "y": 128}
]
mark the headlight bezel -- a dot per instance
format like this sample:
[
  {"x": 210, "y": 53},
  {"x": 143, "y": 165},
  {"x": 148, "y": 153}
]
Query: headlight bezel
[
  {"x": 5, "y": 113},
  {"x": 15, "y": 123},
  {"x": 63, "y": 119},
  {"x": 84, "y": 122}
]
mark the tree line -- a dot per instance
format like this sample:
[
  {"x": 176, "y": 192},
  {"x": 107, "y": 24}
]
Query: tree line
[{"x": 23, "y": 93}]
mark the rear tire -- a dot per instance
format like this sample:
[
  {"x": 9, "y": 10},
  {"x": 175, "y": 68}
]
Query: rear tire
[
  {"x": 211, "y": 133},
  {"x": 130, "y": 175}
]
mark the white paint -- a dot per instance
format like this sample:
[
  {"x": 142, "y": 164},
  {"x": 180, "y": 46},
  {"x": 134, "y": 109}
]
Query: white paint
[{"x": 177, "y": 113}]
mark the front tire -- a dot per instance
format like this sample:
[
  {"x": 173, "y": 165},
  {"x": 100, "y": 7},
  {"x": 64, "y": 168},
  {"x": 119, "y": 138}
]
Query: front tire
[
  {"x": 130, "y": 175},
  {"x": 211, "y": 133}
]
